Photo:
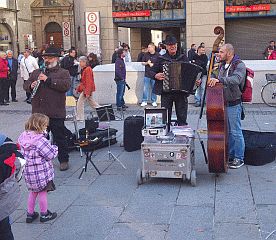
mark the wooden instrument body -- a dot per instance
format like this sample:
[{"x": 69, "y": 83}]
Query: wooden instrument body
[{"x": 217, "y": 123}]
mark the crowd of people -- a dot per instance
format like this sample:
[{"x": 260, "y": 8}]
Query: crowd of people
[{"x": 270, "y": 51}]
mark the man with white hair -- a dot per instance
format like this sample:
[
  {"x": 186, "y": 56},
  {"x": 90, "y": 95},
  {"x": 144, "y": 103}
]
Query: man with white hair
[
  {"x": 27, "y": 65},
  {"x": 12, "y": 77},
  {"x": 49, "y": 99},
  {"x": 232, "y": 73}
]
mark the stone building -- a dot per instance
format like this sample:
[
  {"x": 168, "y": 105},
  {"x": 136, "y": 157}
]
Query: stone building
[
  {"x": 248, "y": 24},
  {"x": 15, "y": 25},
  {"x": 53, "y": 23}
]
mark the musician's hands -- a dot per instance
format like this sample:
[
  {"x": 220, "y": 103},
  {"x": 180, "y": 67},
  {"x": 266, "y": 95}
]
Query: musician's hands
[
  {"x": 213, "y": 82},
  {"x": 198, "y": 82},
  {"x": 33, "y": 84},
  {"x": 160, "y": 76},
  {"x": 42, "y": 77}
]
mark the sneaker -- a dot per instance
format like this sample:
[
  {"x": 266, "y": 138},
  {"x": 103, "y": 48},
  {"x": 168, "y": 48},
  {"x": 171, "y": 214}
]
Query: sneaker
[
  {"x": 124, "y": 106},
  {"x": 64, "y": 166},
  {"x": 143, "y": 104},
  {"x": 47, "y": 217},
  {"x": 154, "y": 104},
  {"x": 237, "y": 163},
  {"x": 230, "y": 160},
  {"x": 120, "y": 109},
  {"x": 31, "y": 217},
  {"x": 4, "y": 104}
]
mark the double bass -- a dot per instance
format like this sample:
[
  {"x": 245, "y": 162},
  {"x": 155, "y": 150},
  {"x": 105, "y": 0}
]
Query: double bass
[{"x": 217, "y": 141}]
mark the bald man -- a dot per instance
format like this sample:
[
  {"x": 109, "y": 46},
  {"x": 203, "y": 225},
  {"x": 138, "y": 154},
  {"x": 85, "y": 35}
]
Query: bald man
[{"x": 232, "y": 75}]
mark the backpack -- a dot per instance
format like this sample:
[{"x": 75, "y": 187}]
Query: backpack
[{"x": 247, "y": 88}]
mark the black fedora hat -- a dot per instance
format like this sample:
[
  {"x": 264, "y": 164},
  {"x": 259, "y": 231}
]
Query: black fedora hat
[
  {"x": 51, "y": 52},
  {"x": 170, "y": 40}
]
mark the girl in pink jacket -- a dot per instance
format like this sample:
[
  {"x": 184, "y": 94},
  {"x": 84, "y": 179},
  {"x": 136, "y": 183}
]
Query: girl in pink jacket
[{"x": 39, "y": 170}]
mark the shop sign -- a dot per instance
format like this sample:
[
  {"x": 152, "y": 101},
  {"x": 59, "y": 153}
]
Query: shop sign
[
  {"x": 138, "y": 5},
  {"x": 4, "y": 37},
  {"x": 145, "y": 13},
  {"x": 252, "y": 8}
]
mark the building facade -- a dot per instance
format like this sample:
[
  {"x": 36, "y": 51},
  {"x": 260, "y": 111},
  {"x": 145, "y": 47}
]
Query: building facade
[{"x": 15, "y": 25}]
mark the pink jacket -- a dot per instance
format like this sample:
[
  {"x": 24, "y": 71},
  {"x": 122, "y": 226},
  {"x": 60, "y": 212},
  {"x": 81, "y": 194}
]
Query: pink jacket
[
  {"x": 39, "y": 154},
  {"x": 4, "y": 68}
]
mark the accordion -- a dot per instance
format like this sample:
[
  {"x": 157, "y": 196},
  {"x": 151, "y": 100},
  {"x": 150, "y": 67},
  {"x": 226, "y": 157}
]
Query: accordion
[{"x": 180, "y": 76}]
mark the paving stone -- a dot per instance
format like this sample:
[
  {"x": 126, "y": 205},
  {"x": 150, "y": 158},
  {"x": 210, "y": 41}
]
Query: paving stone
[
  {"x": 236, "y": 231},
  {"x": 191, "y": 223},
  {"x": 137, "y": 231},
  {"x": 108, "y": 190},
  {"x": 234, "y": 204},
  {"x": 83, "y": 223},
  {"x": 24, "y": 231},
  {"x": 266, "y": 213},
  {"x": 189, "y": 196},
  {"x": 268, "y": 231}
]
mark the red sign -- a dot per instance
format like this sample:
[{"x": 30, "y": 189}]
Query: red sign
[
  {"x": 145, "y": 13},
  {"x": 252, "y": 8}
]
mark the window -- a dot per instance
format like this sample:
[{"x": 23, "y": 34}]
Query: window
[{"x": 51, "y": 3}]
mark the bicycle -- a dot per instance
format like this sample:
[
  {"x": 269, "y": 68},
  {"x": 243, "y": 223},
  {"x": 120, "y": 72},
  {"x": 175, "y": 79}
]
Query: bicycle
[{"x": 268, "y": 92}]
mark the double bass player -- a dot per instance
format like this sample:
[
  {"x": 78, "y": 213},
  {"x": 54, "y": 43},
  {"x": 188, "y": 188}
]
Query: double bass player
[{"x": 232, "y": 73}]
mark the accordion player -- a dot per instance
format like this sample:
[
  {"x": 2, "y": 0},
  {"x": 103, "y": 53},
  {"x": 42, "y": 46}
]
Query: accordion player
[{"x": 180, "y": 76}]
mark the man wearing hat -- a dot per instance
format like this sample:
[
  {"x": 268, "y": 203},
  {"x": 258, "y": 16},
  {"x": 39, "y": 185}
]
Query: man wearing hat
[
  {"x": 49, "y": 99},
  {"x": 168, "y": 98}
]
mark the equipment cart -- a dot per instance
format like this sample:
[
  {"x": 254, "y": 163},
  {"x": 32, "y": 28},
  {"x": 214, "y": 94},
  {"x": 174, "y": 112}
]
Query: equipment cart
[{"x": 171, "y": 156}]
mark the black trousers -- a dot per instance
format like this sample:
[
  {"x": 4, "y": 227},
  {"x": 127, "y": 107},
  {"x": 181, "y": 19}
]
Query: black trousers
[
  {"x": 28, "y": 94},
  {"x": 181, "y": 106},
  {"x": 3, "y": 91},
  {"x": 11, "y": 84},
  {"x": 5, "y": 229},
  {"x": 56, "y": 126}
]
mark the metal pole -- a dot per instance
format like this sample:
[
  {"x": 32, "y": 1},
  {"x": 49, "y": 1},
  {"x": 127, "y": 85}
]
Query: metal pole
[
  {"x": 75, "y": 36},
  {"x": 16, "y": 23}
]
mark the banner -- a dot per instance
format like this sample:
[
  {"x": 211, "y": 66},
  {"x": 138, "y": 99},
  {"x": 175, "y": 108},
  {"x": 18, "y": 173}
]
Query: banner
[{"x": 252, "y": 8}]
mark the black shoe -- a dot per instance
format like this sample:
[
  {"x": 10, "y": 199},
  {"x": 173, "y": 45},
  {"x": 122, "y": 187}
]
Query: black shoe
[
  {"x": 6, "y": 101},
  {"x": 4, "y": 104},
  {"x": 124, "y": 106},
  {"x": 120, "y": 109},
  {"x": 49, "y": 216},
  {"x": 31, "y": 217},
  {"x": 237, "y": 163},
  {"x": 14, "y": 100}
]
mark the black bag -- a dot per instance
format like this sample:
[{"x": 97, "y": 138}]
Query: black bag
[
  {"x": 260, "y": 147},
  {"x": 70, "y": 139},
  {"x": 92, "y": 124},
  {"x": 133, "y": 133},
  {"x": 102, "y": 135}
]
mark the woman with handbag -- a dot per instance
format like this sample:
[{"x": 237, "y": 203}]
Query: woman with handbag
[{"x": 86, "y": 88}]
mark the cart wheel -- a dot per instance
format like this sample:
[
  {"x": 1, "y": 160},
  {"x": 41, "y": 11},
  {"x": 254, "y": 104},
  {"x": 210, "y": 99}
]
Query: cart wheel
[
  {"x": 193, "y": 178},
  {"x": 139, "y": 178},
  {"x": 183, "y": 177}
]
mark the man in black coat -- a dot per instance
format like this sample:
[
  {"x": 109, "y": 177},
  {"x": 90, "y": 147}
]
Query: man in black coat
[
  {"x": 12, "y": 77},
  {"x": 168, "y": 98}
]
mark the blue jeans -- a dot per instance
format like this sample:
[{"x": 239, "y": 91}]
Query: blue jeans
[
  {"x": 235, "y": 138},
  {"x": 72, "y": 88},
  {"x": 200, "y": 90},
  {"x": 121, "y": 86},
  {"x": 148, "y": 87}
]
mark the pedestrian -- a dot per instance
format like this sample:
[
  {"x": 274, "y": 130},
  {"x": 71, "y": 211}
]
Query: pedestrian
[
  {"x": 144, "y": 50},
  {"x": 120, "y": 79},
  {"x": 12, "y": 77},
  {"x": 271, "y": 44},
  {"x": 201, "y": 60},
  {"x": 162, "y": 49},
  {"x": 70, "y": 63},
  {"x": 4, "y": 70},
  {"x": 149, "y": 60},
  {"x": 192, "y": 52},
  {"x": 10, "y": 196},
  {"x": 39, "y": 170},
  {"x": 93, "y": 60},
  {"x": 27, "y": 65},
  {"x": 126, "y": 48},
  {"x": 232, "y": 73},
  {"x": 49, "y": 99},
  {"x": 175, "y": 97},
  {"x": 271, "y": 53},
  {"x": 86, "y": 88}
]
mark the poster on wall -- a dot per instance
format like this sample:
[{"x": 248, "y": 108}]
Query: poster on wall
[
  {"x": 66, "y": 33},
  {"x": 249, "y": 8},
  {"x": 92, "y": 30}
]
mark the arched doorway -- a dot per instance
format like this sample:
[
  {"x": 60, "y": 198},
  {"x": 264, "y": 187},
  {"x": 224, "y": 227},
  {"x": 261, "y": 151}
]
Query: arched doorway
[
  {"x": 5, "y": 38},
  {"x": 54, "y": 34}
]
